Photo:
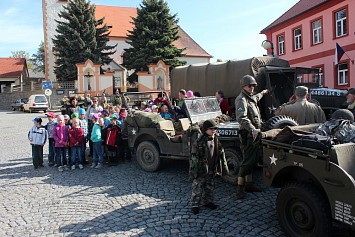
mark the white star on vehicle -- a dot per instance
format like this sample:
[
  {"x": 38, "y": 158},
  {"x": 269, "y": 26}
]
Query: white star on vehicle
[
  {"x": 134, "y": 131},
  {"x": 273, "y": 159}
]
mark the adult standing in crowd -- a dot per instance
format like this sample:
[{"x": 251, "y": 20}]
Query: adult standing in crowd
[
  {"x": 301, "y": 110},
  {"x": 223, "y": 103},
  {"x": 73, "y": 106},
  {"x": 103, "y": 101},
  {"x": 94, "y": 108},
  {"x": 249, "y": 118},
  {"x": 87, "y": 101},
  {"x": 180, "y": 107},
  {"x": 116, "y": 99},
  {"x": 350, "y": 101},
  {"x": 207, "y": 161}
]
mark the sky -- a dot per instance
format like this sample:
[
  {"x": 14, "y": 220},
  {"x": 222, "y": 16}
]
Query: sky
[{"x": 226, "y": 29}]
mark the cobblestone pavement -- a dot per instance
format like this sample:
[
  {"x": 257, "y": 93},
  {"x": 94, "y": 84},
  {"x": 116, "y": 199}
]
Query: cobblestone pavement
[{"x": 115, "y": 201}]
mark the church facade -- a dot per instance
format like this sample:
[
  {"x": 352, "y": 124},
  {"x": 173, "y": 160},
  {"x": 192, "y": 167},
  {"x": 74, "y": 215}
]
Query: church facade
[{"x": 119, "y": 21}]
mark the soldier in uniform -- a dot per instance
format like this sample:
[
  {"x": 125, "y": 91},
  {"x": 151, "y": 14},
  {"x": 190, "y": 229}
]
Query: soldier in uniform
[
  {"x": 249, "y": 118},
  {"x": 350, "y": 101},
  {"x": 301, "y": 110},
  {"x": 207, "y": 160},
  {"x": 116, "y": 99}
]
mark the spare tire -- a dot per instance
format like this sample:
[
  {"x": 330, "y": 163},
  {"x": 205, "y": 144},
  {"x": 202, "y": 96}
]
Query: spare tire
[{"x": 280, "y": 121}]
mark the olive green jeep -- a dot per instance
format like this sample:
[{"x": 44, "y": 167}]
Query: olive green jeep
[{"x": 316, "y": 187}]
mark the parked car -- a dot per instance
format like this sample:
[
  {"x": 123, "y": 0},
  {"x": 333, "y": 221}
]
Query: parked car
[
  {"x": 36, "y": 103},
  {"x": 18, "y": 104}
]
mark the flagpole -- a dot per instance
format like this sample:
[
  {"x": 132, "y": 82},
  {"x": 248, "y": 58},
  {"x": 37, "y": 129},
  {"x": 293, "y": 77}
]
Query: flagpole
[{"x": 352, "y": 61}]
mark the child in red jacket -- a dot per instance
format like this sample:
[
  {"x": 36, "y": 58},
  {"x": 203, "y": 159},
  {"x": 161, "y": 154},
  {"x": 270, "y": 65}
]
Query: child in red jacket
[{"x": 76, "y": 138}]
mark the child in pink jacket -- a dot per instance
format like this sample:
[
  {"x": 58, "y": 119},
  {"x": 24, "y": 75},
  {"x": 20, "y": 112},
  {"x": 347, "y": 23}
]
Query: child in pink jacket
[{"x": 61, "y": 138}]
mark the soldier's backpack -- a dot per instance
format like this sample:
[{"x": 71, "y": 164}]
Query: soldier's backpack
[{"x": 111, "y": 137}]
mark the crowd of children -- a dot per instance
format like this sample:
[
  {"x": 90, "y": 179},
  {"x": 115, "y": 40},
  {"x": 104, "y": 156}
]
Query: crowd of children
[{"x": 105, "y": 131}]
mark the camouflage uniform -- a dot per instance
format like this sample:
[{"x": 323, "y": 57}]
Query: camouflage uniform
[
  {"x": 249, "y": 118},
  {"x": 207, "y": 160},
  {"x": 116, "y": 100}
]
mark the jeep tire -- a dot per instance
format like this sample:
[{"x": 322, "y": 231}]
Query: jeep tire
[
  {"x": 302, "y": 210},
  {"x": 148, "y": 156},
  {"x": 280, "y": 121},
  {"x": 234, "y": 159}
]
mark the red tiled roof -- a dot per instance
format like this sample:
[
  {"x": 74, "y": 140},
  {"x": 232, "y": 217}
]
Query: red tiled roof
[
  {"x": 301, "y": 7},
  {"x": 11, "y": 67},
  {"x": 192, "y": 48},
  {"x": 120, "y": 20}
]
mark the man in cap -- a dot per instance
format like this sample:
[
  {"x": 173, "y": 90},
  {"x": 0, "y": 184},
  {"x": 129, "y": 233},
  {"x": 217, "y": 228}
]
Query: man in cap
[
  {"x": 350, "y": 101},
  {"x": 249, "y": 118},
  {"x": 207, "y": 160},
  {"x": 301, "y": 110}
]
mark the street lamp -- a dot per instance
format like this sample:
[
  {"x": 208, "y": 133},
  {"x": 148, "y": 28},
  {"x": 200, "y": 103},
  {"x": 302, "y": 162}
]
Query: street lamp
[{"x": 267, "y": 44}]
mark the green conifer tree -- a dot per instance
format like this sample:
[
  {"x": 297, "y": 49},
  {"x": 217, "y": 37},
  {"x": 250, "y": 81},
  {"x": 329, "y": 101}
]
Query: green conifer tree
[
  {"x": 80, "y": 37},
  {"x": 152, "y": 37}
]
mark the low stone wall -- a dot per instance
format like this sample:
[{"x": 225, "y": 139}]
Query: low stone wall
[{"x": 9, "y": 98}]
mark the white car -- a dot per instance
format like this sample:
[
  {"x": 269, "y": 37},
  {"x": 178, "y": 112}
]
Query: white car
[{"x": 36, "y": 103}]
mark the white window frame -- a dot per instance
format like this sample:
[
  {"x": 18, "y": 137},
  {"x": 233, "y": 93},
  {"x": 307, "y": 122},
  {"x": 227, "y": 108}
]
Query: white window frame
[
  {"x": 343, "y": 74},
  {"x": 299, "y": 78},
  {"x": 317, "y": 31},
  {"x": 297, "y": 39},
  {"x": 281, "y": 44},
  {"x": 319, "y": 77},
  {"x": 342, "y": 22}
]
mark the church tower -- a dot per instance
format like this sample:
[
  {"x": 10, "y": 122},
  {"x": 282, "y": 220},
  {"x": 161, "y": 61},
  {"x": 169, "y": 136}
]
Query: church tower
[{"x": 51, "y": 9}]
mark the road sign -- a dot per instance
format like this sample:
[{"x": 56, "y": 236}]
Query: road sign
[
  {"x": 48, "y": 92},
  {"x": 47, "y": 85}
]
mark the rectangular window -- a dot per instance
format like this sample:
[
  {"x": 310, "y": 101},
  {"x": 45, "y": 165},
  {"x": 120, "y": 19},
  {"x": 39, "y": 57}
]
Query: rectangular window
[
  {"x": 281, "y": 44},
  {"x": 299, "y": 79},
  {"x": 340, "y": 23},
  {"x": 343, "y": 74},
  {"x": 319, "y": 78},
  {"x": 297, "y": 38},
  {"x": 317, "y": 31}
]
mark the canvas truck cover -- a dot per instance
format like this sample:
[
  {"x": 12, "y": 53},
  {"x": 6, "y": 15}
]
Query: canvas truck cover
[{"x": 208, "y": 78}]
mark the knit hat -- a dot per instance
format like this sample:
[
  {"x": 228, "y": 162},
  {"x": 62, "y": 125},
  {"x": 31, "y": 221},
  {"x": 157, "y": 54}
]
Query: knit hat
[
  {"x": 209, "y": 124},
  {"x": 105, "y": 112},
  {"x": 74, "y": 115},
  {"x": 96, "y": 117},
  {"x": 301, "y": 91},
  {"x": 190, "y": 94},
  {"x": 50, "y": 114},
  {"x": 113, "y": 116},
  {"x": 154, "y": 107},
  {"x": 81, "y": 111},
  {"x": 66, "y": 117},
  {"x": 37, "y": 119},
  {"x": 124, "y": 115},
  {"x": 61, "y": 117}
]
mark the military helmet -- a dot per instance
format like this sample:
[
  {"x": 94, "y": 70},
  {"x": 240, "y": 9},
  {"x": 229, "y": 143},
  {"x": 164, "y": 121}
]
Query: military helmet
[
  {"x": 247, "y": 80},
  {"x": 343, "y": 114},
  {"x": 209, "y": 124}
]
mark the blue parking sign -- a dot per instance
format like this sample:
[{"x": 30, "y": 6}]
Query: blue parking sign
[{"x": 46, "y": 85}]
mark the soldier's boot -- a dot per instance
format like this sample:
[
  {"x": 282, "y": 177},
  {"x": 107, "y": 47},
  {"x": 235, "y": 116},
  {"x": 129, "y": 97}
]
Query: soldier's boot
[
  {"x": 240, "y": 188},
  {"x": 249, "y": 186},
  {"x": 211, "y": 206},
  {"x": 195, "y": 210}
]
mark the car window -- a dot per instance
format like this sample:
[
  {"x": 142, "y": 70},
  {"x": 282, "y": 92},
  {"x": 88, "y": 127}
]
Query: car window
[{"x": 40, "y": 99}]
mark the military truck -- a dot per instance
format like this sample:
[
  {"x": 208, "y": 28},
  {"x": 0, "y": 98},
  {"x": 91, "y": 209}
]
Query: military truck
[
  {"x": 316, "y": 186},
  {"x": 271, "y": 73},
  {"x": 172, "y": 139}
]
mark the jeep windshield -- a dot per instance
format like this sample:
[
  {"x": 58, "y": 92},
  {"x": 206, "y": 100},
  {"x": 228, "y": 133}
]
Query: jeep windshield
[{"x": 202, "y": 108}]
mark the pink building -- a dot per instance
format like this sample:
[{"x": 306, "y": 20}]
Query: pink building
[{"x": 306, "y": 36}]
